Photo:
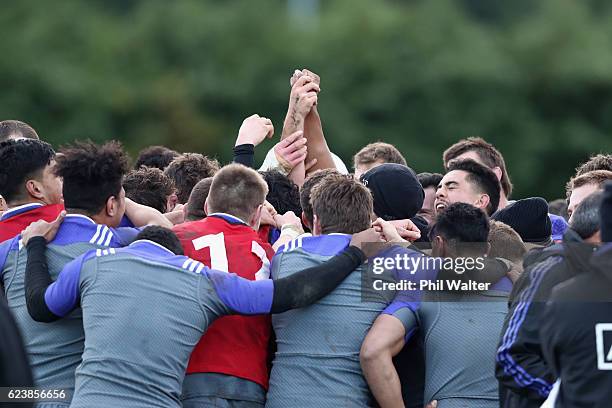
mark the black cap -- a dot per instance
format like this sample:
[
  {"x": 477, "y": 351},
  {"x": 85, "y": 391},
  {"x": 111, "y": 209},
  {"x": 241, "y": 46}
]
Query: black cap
[
  {"x": 529, "y": 218},
  {"x": 606, "y": 214},
  {"x": 397, "y": 193}
]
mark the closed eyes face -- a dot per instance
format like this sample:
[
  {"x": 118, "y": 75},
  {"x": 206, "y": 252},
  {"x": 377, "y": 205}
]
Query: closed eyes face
[{"x": 454, "y": 188}]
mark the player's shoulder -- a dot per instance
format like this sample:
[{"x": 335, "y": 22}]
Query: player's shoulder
[
  {"x": 323, "y": 245},
  {"x": 191, "y": 229}
]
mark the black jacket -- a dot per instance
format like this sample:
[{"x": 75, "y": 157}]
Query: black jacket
[
  {"x": 576, "y": 336},
  {"x": 524, "y": 376}
]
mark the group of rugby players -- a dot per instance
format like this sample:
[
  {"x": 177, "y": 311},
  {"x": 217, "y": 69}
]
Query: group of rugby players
[{"x": 180, "y": 282}]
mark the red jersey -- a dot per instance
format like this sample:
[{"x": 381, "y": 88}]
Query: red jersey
[
  {"x": 15, "y": 220},
  {"x": 232, "y": 345}
]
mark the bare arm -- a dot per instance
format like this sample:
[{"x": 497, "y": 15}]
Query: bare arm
[
  {"x": 384, "y": 341},
  {"x": 141, "y": 215}
]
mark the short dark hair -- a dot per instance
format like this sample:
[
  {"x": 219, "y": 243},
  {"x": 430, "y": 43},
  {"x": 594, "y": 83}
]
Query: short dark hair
[
  {"x": 92, "y": 173},
  {"x": 376, "y": 151},
  {"x": 237, "y": 190},
  {"x": 155, "y": 156},
  {"x": 597, "y": 162},
  {"x": 430, "y": 179},
  {"x": 342, "y": 204},
  {"x": 283, "y": 194},
  {"x": 187, "y": 169},
  {"x": 585, "y": 219},
  {"x": 489, "y": 155},
  {"x": 15, "y": 128},
  {"x": 162, "y": 236},
  {"x": 483, "y": 178},
  {"x": 21, "y": 160},
  {"x": 462, "y": 223},
  {"x": 505, "y": 242},
  {"x": 149, "y": 186},
  {"x": 197, "y": 198},
  {"x": 312, "y": 180}
]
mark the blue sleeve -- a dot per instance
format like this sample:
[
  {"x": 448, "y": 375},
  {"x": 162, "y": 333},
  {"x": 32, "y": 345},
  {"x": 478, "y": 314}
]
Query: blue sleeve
[
  {"x": 406, "y": 313},
  {"x": 241, "y": 295},
  {"x": 63, "y": 295},
  {"x": 5, "y": 248},
  {"x": 126, "y": 222},
  {"x": 126, "y": 235}
]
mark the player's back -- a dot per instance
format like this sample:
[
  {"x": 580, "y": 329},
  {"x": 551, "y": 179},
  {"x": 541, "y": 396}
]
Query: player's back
[
  {"x": 54, "y": 349},
  {"x": 461, "y": 332},
  {"x": 142, "y": 317},
  {"x": 317, "y": 358},
  {"x": 234, "y": 346}
]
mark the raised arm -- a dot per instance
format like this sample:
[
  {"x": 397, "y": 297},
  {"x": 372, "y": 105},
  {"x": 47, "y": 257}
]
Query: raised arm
[
  {"x": 318, "y": 152},
  {"x": 252, "y": 132},
  {"x": 141, "y": 215}
]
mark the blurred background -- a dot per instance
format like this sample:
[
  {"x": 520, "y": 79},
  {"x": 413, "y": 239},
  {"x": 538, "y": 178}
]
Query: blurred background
[{"x": 532, "y": 77}]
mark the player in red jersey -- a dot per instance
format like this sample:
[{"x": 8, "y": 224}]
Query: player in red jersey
[
  {"x": 231, "y": 360},
  {"x": 28, "y": 184}
]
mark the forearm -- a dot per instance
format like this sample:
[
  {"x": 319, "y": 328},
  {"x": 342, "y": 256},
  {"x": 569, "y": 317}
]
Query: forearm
[
  {"x": 306, "y": 287},
  {"x": 293, "y": 123},
  {"x": 317, "y": 145},
  {"x": 141, "y": 215},
  {"x": 383, "y": 380},
  {"x": 37, "y": 280},
  {"x": 244, "y": 154}
]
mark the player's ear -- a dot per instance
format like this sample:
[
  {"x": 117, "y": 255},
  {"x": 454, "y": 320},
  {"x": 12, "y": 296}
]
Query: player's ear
[
  {"x": 483, "y": 202},
  {"x": 112, "y": 206},
  {"x": 35, "y": 189},
  {"x": 316, "y": 225},
  {"x": 206, "y": 206},
  {"x": 256, "y": 217},
  {"x": 305, "y": 221}
]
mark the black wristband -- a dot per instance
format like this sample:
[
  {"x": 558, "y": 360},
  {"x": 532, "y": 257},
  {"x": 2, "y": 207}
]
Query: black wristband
[
  {"x": 308, "y": 286},
  {"x": 244, "y": 154}
]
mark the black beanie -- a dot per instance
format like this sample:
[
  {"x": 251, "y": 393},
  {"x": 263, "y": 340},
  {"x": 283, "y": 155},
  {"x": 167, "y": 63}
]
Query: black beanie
[
  {"x": 529, "y": 218},
  {"x": 397, "y": 193},
  {"x": 606, "y": 214}
]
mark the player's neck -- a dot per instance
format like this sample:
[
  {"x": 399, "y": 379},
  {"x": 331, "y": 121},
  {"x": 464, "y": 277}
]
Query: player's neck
[{"x": 27, "y": 201}]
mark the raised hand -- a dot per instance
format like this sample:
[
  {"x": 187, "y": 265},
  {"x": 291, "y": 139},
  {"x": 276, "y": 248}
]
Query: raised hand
[
  {"x": 291, "y": 151},
  {"x": 43, "y": 229},
  {"x": 254, "y": 130},
  {"x": 388, "y": 232}
]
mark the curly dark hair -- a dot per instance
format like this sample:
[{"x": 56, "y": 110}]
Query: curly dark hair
[
  {"x": 597, "y": 162},
  {"x": 149, "y": 186},
  {"x": 21, "y": 160},
  {"x": 156, "y": 156},
  {"x": 162, "y": 236},
  {"x": 92, "y": 173},
  {"x": 187, "y": 169},
  {"x": 283, "y": 194},
  {"x": 483, "y": 178}
]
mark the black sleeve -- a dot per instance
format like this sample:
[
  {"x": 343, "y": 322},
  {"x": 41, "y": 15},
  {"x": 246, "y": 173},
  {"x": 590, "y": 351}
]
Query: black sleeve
[
  {"x": 37, "y": 280},
  {"x": 306, "y": 287},
  {"x": 244, "y": 154}
]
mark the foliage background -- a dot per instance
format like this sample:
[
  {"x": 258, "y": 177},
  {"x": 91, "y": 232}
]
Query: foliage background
[{"x": 534, "y": 78}]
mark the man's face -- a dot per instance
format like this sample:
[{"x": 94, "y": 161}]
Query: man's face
[
  {"x": 364, "y": 167},
  {"x": 428, "y": 210},
  {"x": 51, "y": 185},
  {"x": 119, "y": 210},
  {"x": 579, "y": 194},
  {"x": 454, "y": 188}
]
